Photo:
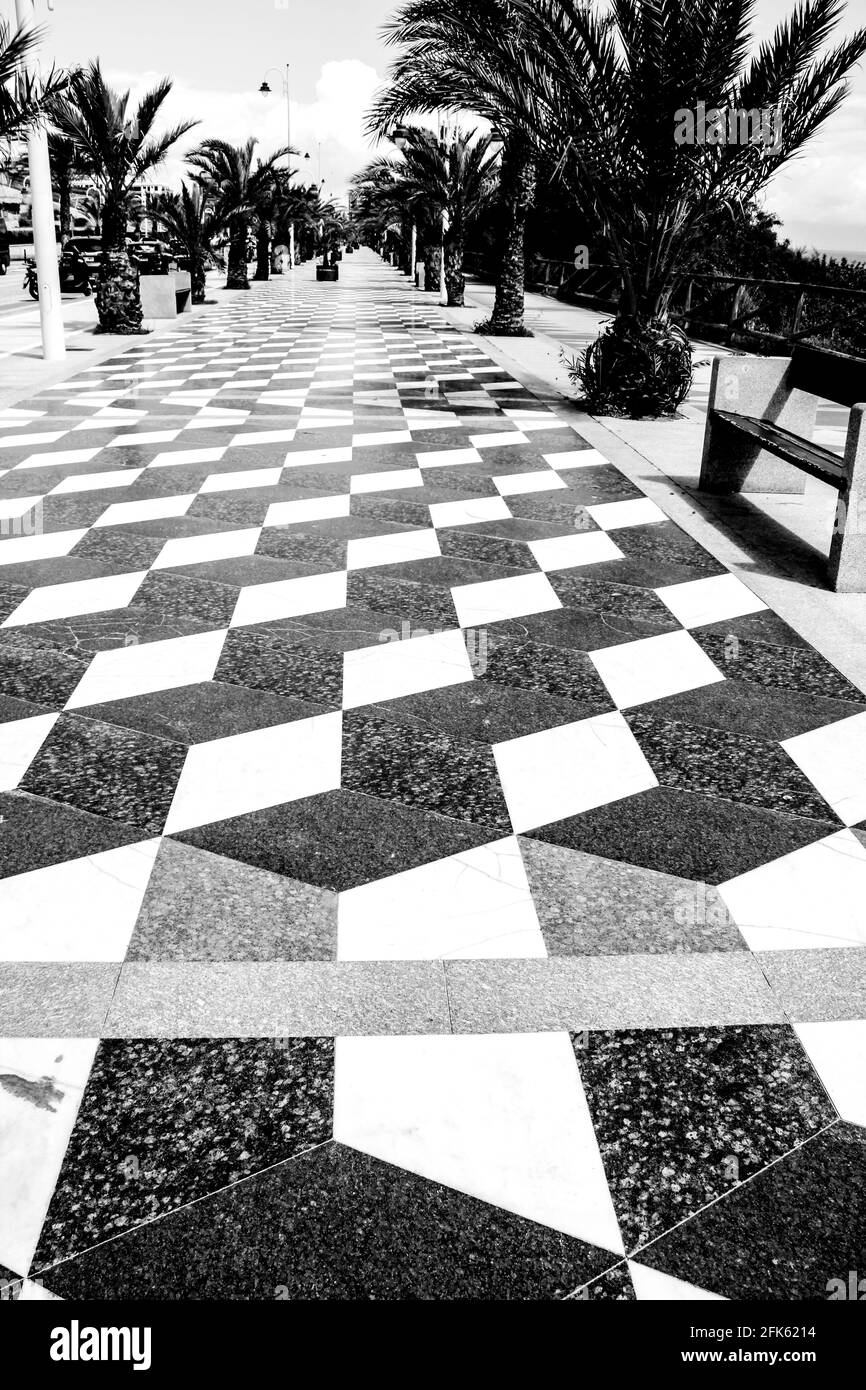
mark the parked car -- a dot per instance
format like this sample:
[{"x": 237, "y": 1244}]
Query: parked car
[
  {"x": 89, "y": 248},
  {"x": 151, "y": 257},
  {"x": 5, "y": 252}
]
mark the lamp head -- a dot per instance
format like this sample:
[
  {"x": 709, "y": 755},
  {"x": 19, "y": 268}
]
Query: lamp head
[{"x": 265, "y": 89}]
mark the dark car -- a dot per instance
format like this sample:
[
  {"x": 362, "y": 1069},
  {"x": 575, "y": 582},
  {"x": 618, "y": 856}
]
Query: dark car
[
  {"x": 5, "y": 252},
  {"x": 89, "y": 248},
  {"x": 150, "y": 257}
]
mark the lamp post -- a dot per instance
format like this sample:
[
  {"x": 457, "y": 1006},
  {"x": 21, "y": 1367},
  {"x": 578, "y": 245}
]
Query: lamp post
[
  {"x": 399, "y": 137},
  {"x": 266, "y": 91},
  {"x": 42, "y": 212}
]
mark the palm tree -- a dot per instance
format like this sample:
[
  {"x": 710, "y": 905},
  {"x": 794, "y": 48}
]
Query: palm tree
[
  {"x": 445, "y": 181},
  {"x": 191, "y": 217},
  {"x": 23, "y": 101},
  {"x": 238, "y": 190},
  {"x": 604, "y": 94},
  {"x": 443, "y": 43},
  {"x": 119, "y": 141}
]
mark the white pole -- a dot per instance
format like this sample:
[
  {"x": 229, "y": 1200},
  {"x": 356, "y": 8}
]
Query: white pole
[
  {"x": 289, "y": 157},
  {"x": 413, "y": 254},
  {"x": 44, "y": 240}
]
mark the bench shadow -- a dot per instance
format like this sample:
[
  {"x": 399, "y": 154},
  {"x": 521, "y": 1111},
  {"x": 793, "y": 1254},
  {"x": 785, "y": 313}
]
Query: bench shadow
[{"x": 773, "y": 548}]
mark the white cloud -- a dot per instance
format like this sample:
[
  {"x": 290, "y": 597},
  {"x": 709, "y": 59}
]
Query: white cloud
[{"x": 336, "y": 118}]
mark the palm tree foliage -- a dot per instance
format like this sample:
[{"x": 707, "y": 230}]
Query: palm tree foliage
[
  {"x": 431, "y": 73},
  {"x": 120, "y": 140},
  {"x": 242, "y": 192},
  {"x": 67, "y": 160},
  {"x": 597, "y": 88},
  {"x": 193, "y": 219},
  {"x": 449, "y": 176},
  {"x": 23, "y": 98}
]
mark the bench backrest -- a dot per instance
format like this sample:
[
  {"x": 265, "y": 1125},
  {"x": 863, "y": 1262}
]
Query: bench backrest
[{"x": 832, "y": 375}]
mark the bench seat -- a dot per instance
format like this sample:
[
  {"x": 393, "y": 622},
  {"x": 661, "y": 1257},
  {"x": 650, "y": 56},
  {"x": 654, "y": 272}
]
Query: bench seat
[{"x": 811, "y": 458}]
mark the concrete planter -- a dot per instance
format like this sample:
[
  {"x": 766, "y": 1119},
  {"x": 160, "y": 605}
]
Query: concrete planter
[
  {"x": 327, "y": 272},
  {"x": 166, "y": 296}
]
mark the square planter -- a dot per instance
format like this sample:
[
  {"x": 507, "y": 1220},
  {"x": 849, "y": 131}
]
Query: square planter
[{"x": 327, "y": 272}]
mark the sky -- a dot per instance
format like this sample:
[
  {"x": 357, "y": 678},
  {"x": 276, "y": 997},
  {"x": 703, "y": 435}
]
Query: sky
[{"x": 218, "y": 52}]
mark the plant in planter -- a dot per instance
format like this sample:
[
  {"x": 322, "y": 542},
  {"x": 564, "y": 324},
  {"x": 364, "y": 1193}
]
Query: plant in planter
[
  {"x": 193, "y": 220},
  {"x": 239, "y": 191},
  {"x": 118, "y": 140}
]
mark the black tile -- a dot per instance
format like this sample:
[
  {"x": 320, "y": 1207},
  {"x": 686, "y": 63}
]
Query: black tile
[
  {"x": 763, "y": 712},
  {"x": 684, "y": 833},
  {"x": 683, "y": 1114},
  {"x": 484, "y": 711},
  {"x": 40, "y": 674},
  {"x": 548, "y": 669},
  {"x": 35, "y": 833},
  {"x": 428, "y": 604},
  {"x": 164, "y": 1122},
  {"x": 336, "y": 1224},
  {"x": 175, "y": 596},
  {"x": 612, "y": 600},
  {"x": 787, "y": 668},
  {"x": 422, "y": 768},
  {"x": 200, "y": 713},
  {"x": 283, "y": 662},
  {"x": 719, "y": 763},
  {"x": 119, "y": 773},
  {"x": 794, "y": 1233},
  {"x": 339, "y": 839}
]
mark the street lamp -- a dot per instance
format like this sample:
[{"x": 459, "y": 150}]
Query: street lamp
[
  {"x": 265, "y": 90},
  {"x": 42, "y": 212},
  {"x": 399, "y": 136}
]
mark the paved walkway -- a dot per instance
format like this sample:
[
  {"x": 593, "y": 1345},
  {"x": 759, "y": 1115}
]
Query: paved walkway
[{"x": 426, "y": 871}]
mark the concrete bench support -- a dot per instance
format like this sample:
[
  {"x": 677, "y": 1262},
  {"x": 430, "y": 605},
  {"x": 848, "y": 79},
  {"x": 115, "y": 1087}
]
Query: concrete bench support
[{"x": 753, "y": 386}]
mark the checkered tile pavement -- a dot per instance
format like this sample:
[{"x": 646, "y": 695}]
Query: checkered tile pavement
[{"x": 425, "y": 871}]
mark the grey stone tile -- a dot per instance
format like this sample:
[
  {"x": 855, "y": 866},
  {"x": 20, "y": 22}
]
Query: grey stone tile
[
  {"x": 818, "y": 985},
  {"x": 634, "y": 991},
  {"x": 55, "y": 1000},
  {"x": 275, "y": 999}
]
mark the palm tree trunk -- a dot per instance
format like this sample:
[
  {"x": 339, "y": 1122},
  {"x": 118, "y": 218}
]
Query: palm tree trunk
[
  {"x": 455, "y": 280},
  {"x": 432, "y": 264},
  {"x": 516, "y": 195},
  {"x": 263, "y": 252},
  {"x": 236, "y": 276},
  {"x": 64, "y": 194},
  {"x": 198, "y": 277},
  {"x": 118, "y": 297}
]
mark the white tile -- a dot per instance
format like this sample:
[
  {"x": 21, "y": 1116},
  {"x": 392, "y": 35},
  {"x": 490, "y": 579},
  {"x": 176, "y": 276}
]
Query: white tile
[
  {"x": 290, "y": 598},
  {"x": 635, "y": 511},
  {"x": 837, "y": 1051},
  {"x": 55, "y": 601},
  {"x": 540, "y": 480},
  {"x": 143, "y": 667},
  {"x": 576, "y": 458},
  {"x": 498, "y": 440},
  {"x": 182, "y": 456},
  {"x": 97, "y": 482},
  {"x": 10, "y": 441},
  {"x": 712, "y": 600},
  {"x": 20, "y": 741},
  {"x": 84, "y": 909},
  {"x": 582, "y": 548},
  {"x": 493, "y": 600},
  {"x": 398, "y": 547},
  {"x": 308, "y": 509},
  {"x": 388, "y": 481},
  {"x": 563, "y": 771},
  {"x": 247, "y": 772},
  {"x": 139, "y": 440},
  {"x": 468, "y": 511},
  {"x": 649, "y": 669},
  {"x": 234, "y": 482},
  {"x": 834, "y": 759},
  {"x": 444, "y": 458},
  {"x": 60, "y": 459},
  {"x": 651, "y": 1286},
  {"x": 381, "y": 437},
  {"x": 399, "y": 667},
  {"x": 34, "y": 1137},
  {"x": 11, "y": 508},
  {"x": 262, "y": 437},
  {"x": 475, "y": 905},
  {"x": 196, "y": 550},
  {"x": 810, "y": 898},
  {"x": 500, "y": 1117},
  {"x": 148, "y": 509},
  {"x": 302, "y": 458}
]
